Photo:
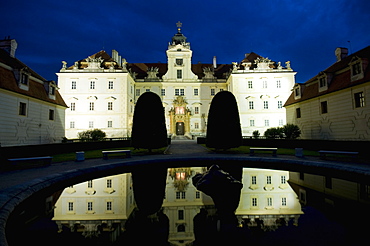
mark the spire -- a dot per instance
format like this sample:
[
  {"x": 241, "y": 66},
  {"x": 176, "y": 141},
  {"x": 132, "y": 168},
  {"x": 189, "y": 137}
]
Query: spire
[{"x": 178, "y": 38}]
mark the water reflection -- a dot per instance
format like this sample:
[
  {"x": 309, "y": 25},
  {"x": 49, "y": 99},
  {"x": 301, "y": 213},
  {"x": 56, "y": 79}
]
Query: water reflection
[{"x": 105, "y": 208}]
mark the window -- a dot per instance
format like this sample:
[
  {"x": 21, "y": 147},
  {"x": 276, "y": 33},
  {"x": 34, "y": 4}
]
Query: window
[
  {"x": 110, "y": 105},
  {"x": 359, "y": 99},
  {"x": 250, "y": 84},
  {"x": 328, "y": 183},
  {"x": 283, "y": 201},
  {"x": 91, "y": 107},
  {"x": 180, "y": 195},
  {"x": 265, "y": 105},
  {"x": 264, "y": 84},
  {"x": 91, "y": 124},
  {"x": 147, "y": 90},
  {"x": 280, "y": 104},
  {"x": 177, "y": 92},
  {"x": 196, "y": 92},
  {"x": 298, "y": 112},
  {"x": 51, "y": 114},
  {"x": 251, "y": 105},
  {"x": 278, "y": 84},
  {"x": 70, "y": 206},
  {"x": 196, "y": 110},
  {"x": 196, "y": 125},
  {"x": 109, "y": 183},
  {"x": 322, "y": 82},
  {"x": 73, "y": 106},
  {"x": 356, "y": 68},
  {"x": 197, "y": 195},
  {"x": 324, "y": 107},
  {"x": 254, "y": 202},
  {"x": 24, "y": 79},
  {"x": 267, "y": 123},
  {"x": 213, "y": 92},
  {"x": 269, "y": 201},
  {"x": 89, "y": 206},
  {"x": 109, "y": 206},
  {"x": 283, "y": 179},
  {"x": 72, "y": 124},
  {"x": 268, "y": 180},
  {"x": 182, "y": 92},
  {"x": 251, "y": 122},
  {"x": 110, "y": 123},
  {"x": 89, "y": 184},
  {"x": 179, "y": 74},
  {"x": 137, "y": 92},
  {"x": 74, "y": 85},
  {"x": 22, "y": 108},
  {"x": 254, "y": 180},
  {"x": 281, "y": 122},
  {"x": 180, "y": 214},
  {"x": 163, "y": 92},
  {"x": 110, "y": 85},
  {"x": 92, "y": 85},
  {"x": 52, "y": 90}
]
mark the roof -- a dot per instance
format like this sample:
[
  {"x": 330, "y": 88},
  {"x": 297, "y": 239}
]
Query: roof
[
  {"x": 341, "y": 78},
  {"x": 141, "y": 69},
  {"x": 36, "y": 89}
]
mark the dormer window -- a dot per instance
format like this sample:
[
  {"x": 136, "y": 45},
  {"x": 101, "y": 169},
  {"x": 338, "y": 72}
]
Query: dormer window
[
  {"x": 24, "y": 78},
  {"x": 356, "y": 66},
  {"x": 324, "y": 79},
  {"x": 297, "y": 91}
]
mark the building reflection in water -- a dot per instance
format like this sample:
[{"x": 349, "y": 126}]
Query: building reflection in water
[{"x": 104, "y": 205}]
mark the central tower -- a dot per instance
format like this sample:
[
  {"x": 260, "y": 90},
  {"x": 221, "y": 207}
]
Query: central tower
[{"x": 179, "y": 59}]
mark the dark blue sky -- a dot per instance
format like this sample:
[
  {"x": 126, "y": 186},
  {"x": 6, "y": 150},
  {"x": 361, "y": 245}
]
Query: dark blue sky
[{"x": 305, "y": 32}]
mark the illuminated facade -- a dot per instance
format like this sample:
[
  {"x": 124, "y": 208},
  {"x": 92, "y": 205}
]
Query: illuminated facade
[
  {"x": 104, "y": 205},
  {"x": 101, "y": 91},
  {"x": 334, "y": 104},
  {"x": 266, "y": 196},
  {"x": 32, "y": 110},
  {"x": 97, "y": 206}
]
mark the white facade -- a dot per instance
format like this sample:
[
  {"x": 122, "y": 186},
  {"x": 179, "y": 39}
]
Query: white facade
[
  {"x": 31, "y": 108},
  {"x": 186, "y": 91},
  {"x": 267, "y": 196},
  {"x": 108, "y": 202},
  {"x": 261, "y": 93},
  {"x": 100, "y": 203},
  {"x": 334, "y": 104}
]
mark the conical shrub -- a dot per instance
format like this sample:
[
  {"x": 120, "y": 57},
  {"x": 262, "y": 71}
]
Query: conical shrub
[
  {"x": 223, "y": 127},
  {"x": 149, "y": 126}
]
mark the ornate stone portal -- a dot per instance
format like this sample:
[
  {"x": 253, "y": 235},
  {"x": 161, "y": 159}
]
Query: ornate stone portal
[{"x": 180, "y": 117}]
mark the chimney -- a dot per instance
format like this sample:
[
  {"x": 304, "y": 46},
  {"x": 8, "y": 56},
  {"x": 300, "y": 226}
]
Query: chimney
[
  {"x": 214, "y": 62},
  {"x": 9, "y": 45},
  {"x": 341, "y": 53}
]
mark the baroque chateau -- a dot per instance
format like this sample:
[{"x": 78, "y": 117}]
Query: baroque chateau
[{"x": 101, "y": 91}]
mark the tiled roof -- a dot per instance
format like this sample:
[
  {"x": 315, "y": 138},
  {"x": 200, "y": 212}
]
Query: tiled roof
[
  {"x": 142, "y": 68},
  {"x": 36, "y": 89},
  {"x": 341, "y": 78}
]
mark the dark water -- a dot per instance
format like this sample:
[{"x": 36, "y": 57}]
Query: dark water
[{"x": 323, "y": 222}]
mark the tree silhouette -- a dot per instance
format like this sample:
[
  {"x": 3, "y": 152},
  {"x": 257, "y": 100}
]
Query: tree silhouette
[
  {"x": 149, "y": 127},
  {"x": 223, "y": 128}
]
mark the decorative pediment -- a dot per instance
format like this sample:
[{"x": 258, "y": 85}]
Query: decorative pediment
[
  {"x": 94, "y": 63},
  {"x": 180, "y": 177},
  {"x": 179, "y": 101}
]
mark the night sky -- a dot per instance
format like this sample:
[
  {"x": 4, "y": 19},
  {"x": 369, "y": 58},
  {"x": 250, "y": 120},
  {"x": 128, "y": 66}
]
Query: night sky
[{"x": 305, "y": 32}]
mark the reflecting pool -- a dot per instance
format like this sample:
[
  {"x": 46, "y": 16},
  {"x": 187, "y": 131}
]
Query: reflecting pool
[{"x": 275, "y": 207}]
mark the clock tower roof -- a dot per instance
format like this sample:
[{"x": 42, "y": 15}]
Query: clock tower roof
[{"x": 178, "y": 38}]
